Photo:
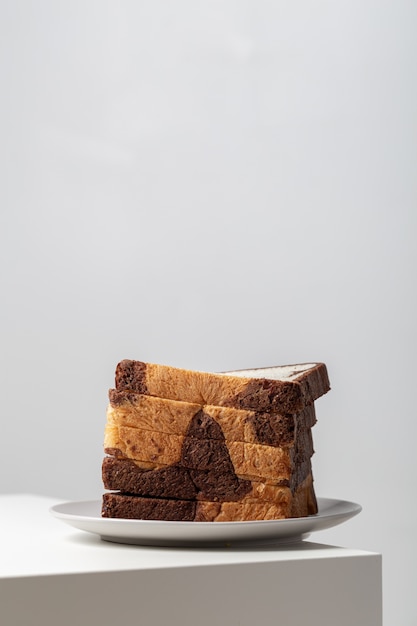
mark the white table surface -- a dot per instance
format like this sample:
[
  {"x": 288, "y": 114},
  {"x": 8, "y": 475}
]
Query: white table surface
[
  {"x": 51, "y": 573},
  {"x": 34, "y": 543}
]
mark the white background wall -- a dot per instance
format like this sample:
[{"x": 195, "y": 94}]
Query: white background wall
[{"x": 213, "y": 185}]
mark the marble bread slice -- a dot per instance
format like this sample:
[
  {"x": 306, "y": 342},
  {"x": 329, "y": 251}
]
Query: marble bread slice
[{"x": 287, "y": 389}]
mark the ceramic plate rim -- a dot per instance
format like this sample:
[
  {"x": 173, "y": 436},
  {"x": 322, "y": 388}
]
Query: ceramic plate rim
[{"x": 159, "y": 533}]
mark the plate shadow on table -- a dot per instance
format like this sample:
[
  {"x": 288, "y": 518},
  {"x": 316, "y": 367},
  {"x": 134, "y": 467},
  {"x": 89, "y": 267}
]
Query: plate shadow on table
[{"x": 90, "y": 539}]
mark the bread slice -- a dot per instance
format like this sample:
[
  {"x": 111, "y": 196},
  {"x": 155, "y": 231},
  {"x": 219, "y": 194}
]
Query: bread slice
[
  {"x": 137, "y": 410},
  {"x": 175, "y": 481},
  {"x": 286, "y": 389},
  {"x": 251, "y": 461},
  {"x": 116, "y": 505},
  {"x": 136, "y": 507}
]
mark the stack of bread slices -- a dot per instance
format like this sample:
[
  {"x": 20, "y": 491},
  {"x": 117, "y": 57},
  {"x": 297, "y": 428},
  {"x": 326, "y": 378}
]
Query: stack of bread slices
[{"x": 194, "y": 446}]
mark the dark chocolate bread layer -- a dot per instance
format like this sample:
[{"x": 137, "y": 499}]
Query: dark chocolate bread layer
[
  {"x": 287, "y": 389},
  {"x": 124, "y": 475},
  {"x": 135, "y": 507}
]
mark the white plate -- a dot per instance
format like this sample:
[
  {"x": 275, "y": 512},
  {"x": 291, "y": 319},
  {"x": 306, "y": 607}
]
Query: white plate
[{"x": 86, "y": 516}]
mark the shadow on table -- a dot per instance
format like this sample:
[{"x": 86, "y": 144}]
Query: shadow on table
[{"x": 90, "y": 539}]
